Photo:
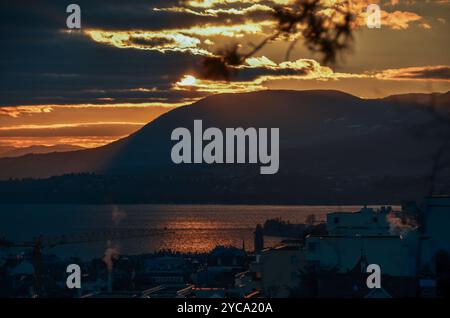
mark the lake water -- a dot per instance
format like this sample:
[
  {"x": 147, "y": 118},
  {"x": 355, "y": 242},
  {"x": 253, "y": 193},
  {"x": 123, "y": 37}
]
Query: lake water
[{"x": 190, "y": 228}]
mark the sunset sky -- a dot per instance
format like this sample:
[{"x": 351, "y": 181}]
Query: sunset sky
[{"x": 134, "y": 60}]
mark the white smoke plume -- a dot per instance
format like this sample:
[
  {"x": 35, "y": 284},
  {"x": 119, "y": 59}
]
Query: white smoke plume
[
  {"x": 401, "y": 225},
  {"x": 117, "y": 215},
  {"x": 111, "y": 254}
]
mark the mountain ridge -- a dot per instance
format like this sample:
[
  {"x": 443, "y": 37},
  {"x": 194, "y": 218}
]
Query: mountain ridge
[
  {"x": 213, "y": 107},
  {"x": 332, "y": 139}
]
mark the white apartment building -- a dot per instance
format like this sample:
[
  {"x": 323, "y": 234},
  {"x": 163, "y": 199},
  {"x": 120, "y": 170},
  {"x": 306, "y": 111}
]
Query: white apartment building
[
  {"x": 367, "y": 222},
  {"x": 367, "y": 233}
]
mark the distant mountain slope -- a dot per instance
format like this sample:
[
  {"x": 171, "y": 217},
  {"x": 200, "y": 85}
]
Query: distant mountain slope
[
  {"x": 9, "y": 152},
  {"x": 435, "y": 99}
]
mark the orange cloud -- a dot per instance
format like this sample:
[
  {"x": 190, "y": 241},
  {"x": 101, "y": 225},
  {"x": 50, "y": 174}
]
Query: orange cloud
[
  {"x": 16, "y": 111},
  {"x": 215, "y": 3},
  {"x": 311, "y": 75},
  {"x": 216, "y": 12},
  {"x": 82, "y": 141},
  {"x": 191, "y": 40},
  {"x": 71, "y": 125},
  {"x": 429, "y": 73},
  {"x": 399, "y": 20},
  {"x": 396, "y": 20},
  {"x": 88, "y": 125},
  {"x": 304, "y": 69}
]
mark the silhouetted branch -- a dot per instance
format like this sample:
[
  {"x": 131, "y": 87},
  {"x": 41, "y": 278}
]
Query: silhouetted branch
[{"x": 324, "y": 29}]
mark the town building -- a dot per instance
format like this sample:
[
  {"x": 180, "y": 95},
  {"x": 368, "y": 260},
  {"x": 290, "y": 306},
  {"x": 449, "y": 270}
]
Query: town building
[
  {"x": 367, "y": 222},
  {"x": 280, "y": 267}
]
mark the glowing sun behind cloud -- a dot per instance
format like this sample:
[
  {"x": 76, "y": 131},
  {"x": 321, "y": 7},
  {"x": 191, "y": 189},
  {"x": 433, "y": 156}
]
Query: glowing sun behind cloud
[{"x": 187, "y": 80}]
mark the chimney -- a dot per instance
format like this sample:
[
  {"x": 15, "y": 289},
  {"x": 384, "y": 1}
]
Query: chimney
[
  {"x": 258, "y": 238},
  {"x": 110, "y": 282}
]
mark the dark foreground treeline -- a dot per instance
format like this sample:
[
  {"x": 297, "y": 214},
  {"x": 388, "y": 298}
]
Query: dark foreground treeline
[{"x": 209, "y": 188}]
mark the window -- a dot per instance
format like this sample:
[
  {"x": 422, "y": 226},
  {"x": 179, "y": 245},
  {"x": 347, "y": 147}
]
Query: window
[
  {"x": 375, "y": 220},
  {"x": 336, "y": 220}
]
